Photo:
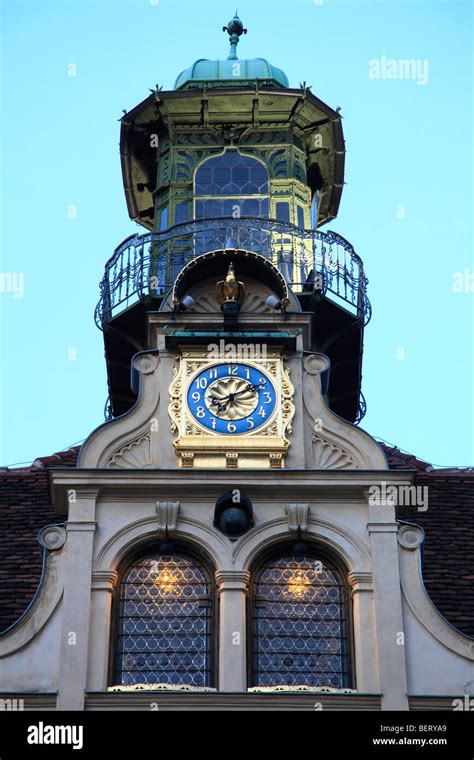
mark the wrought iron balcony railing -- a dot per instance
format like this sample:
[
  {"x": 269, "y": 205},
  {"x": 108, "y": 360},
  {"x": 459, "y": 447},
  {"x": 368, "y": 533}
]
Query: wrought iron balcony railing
[{"x": 144, "y": 266}]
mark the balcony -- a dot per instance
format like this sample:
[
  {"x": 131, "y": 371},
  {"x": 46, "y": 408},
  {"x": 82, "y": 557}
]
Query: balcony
[{"x": 144, "y": 267}]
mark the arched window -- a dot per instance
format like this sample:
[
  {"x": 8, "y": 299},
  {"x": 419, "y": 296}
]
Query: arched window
[
  {"x": 164, "y": 623},
  {"x": 299, "y": 624},
  {"x": 231, "y": 185}
]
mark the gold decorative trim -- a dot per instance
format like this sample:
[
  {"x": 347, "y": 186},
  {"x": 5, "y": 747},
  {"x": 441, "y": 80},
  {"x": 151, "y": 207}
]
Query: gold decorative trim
[
  {"x": 232, "y": 459},
  {"x": 276, "y": 460},
  {"x": 288, "y": 407},
  {"x": 187, "y": 459},
  {"x": 196, "y": 446},
  {"x": 159, "y": 687},
  {"x": 174, "y": 407},
  {"x": 310, "y": 689}
]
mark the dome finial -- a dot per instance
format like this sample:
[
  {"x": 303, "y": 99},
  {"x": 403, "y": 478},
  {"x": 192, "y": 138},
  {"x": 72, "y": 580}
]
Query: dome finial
[{"x": 235, "y": 29}]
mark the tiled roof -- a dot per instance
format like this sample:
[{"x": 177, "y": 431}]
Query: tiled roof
[
  {"x": 400, "y": 460},
  {"x": 25, "y": 508},
  {"x": 448, "y": 552}
]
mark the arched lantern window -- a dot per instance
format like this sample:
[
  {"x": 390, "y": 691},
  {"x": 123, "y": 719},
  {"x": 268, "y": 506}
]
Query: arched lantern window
[
  {"x": 299, "y": 621},
  {"x": 231, "y": 184},
  {"x": 164, "y": 623}
]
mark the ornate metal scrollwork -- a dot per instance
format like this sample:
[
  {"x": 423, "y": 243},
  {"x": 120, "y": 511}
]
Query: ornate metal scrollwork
[{"x": 147, "y": 265}]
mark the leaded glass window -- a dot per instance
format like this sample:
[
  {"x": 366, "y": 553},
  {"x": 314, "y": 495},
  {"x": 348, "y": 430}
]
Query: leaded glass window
[
  {"x": 164, "y": 623},
  {"x": 299, "y": 624},
  {"x": 231, "y": 174},
  {"x": 231, "y": 185}
]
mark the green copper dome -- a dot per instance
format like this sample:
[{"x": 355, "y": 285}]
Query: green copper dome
[
  {"x": 233, "y": 71},
  {"x": 223, "y": 73}
]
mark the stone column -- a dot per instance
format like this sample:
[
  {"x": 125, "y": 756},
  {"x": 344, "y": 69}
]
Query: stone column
[
  {"x": 103, "y": 586},
  {"x": 232, "y": 588},
  {"x": 77, "y": 601},
  {"x": 366, "y": 670},
  {"x": 389, "y": 633}
]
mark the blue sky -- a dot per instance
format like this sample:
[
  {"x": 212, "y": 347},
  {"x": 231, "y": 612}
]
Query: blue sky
[{"x": 407, "y": 205}]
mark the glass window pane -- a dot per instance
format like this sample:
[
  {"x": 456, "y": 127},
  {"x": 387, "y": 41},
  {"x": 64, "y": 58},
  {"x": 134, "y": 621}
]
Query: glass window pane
[
  {"x": 181, "y": 213},
  {"x": 231, "y": 173},
  {"x": 299, "y": 625},
  {"x": 282, "y": 211},
  {"x": 164, "y": 626},
  {"x": 164, "y": 218},
  {"x": 300, "y": 212}
]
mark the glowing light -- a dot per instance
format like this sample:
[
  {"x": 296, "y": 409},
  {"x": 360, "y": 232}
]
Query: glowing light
[
  {"x": 299, "y": 584},
  {"x": 166, "y": 582}
]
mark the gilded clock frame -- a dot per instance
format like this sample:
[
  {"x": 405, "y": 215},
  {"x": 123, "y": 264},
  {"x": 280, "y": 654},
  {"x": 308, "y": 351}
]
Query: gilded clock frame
[{"x": 196, "y": 446}]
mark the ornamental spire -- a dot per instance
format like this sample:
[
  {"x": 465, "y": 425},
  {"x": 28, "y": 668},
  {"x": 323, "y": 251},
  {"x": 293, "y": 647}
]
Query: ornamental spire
[{"x": 234, "y": 29}]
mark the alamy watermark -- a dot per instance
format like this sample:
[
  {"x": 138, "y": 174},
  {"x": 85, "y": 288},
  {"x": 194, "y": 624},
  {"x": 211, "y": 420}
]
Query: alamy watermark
[
  {"x": 402, "y": 496},
  {"x": 13, "y": 283},
  {"x": 236, "y": 351},
  {"x": 42, "y": 733},
  {"x": 414, "y": 69},
  {"x": 12, "y": 704},
  {"x": 463, "y": 282}
]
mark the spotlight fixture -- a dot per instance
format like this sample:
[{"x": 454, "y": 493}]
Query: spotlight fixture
[
  {"x": 186, "y": 303},
  {"x": 299, "y": 548},
  {"x": 273, "y": 302},
  {"x": 166, "y": 548},
  {"x": 233, "y": 514},
  {"x": 278, "y": 304}
]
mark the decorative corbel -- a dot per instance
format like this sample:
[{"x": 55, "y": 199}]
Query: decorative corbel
[
  {"x": 297, "y": 516},
  {"x": 167, "y": 512}
]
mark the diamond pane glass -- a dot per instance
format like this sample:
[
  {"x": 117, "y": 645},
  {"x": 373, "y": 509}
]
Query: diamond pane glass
[
  {"x": 164, "y": 623},
  {"x": 231, "y": 174},
  {"x": 299, "y": 624},
  {"x": 231, "y": 185}
]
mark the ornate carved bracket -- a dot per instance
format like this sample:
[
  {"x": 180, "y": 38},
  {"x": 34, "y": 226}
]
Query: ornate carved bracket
[
  {"x": 167, "y": 512},
  {"x": 297, "y": 515}
]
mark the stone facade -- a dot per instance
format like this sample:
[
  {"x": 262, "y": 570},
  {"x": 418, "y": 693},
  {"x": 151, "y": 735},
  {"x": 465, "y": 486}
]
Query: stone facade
[{"x": 128, "y": 487}]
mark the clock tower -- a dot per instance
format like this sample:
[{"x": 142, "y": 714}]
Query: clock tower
[
  {"x": 232, "y": 174},
  {"x": 232, "y": 538}
]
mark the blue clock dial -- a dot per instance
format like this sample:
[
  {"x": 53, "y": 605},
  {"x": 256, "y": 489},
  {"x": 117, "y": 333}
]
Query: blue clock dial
[{"x": 231, "y": 398}]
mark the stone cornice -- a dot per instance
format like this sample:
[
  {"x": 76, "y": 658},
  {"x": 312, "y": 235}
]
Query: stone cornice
[
  {"x": 140, "y": 700},
  {"x": 327, "y": 485}
]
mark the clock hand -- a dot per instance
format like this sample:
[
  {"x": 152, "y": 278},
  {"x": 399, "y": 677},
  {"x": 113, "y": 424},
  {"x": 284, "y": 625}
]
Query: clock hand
[
  {"x": 249, "y": 387},
  {"x": 220, "y": 405},
  {"x": 224, "y": 402}
]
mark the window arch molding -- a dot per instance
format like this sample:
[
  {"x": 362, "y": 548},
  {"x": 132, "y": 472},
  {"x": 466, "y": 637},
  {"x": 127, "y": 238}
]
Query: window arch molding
[
  {"x": 335, "y": 539},
  {"x": 201, "y": 539},
  {"x": 176, "y": 630},
  {"x": 293, "y": 640}
]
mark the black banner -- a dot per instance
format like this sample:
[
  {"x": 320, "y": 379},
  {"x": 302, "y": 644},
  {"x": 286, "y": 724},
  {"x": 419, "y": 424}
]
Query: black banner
[{"x": 434, "y": 734}]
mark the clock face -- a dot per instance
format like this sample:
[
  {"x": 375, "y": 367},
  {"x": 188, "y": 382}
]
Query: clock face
[{"x": 231, "y": 398}]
